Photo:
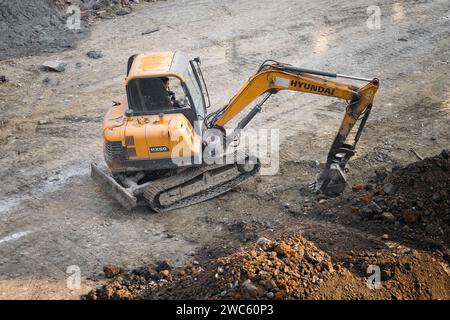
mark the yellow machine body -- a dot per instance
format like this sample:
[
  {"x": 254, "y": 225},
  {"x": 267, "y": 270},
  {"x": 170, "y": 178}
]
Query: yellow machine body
[{"x": 160, "y": 136}]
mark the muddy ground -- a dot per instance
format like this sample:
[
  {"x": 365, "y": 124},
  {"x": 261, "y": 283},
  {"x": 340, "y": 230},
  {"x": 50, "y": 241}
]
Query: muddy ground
[{"x": 53, "y": 216}]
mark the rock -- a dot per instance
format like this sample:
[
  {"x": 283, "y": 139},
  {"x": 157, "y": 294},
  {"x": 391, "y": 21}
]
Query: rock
[
  {"x": 364, "y": 266},
  {"x": 375, "y": 207},
  {"x": 445, "y": 153},
  {"x": 270, "y": 295},
  {"x": 366, "y": 211},
  {"x": 386, "y": 274},
  {"x": 51, "y": 81},
  {"x": 58, "y": 66},
  {"x": 123, "y": 12},
  {"x": 282, "y": 249},
  {"x": 436, "y": 197},
  {"x": 359, "y": 187},
  {"x": 93, "y": 54},
  {"x": 220, "y": 270},
  {"x": 388, "y": 217},
  {"x": 162, "y": 265},
  {"x": 164, "y": 274},
  {"x": 389, "y": 188},
  {"x": 410, "y": 217},
  {"x": 195, "y": 263},
  {"x": 248, "y": 289},
  {"x": 43, "y": 121},
  {"x": 385, "y": 236},
  {"x": 111, "y": 271},
  {"x": 3, "y": 79},
  {"x": 263, "y": 242},
  {"x": 367, "y": 197},
  {"x": 321, "y": 201},
  {"x": 101, "y": 13},
  {"x": 434, "y": 229}
]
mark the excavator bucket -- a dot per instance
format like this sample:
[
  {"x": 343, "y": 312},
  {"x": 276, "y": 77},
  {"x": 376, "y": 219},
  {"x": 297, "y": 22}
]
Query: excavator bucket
[
  {"x": 107, "y": 183},
  {"x": 331, "y": 181}
]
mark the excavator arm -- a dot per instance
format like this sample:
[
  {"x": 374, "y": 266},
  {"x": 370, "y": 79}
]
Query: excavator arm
[{"x": 274, "y": 77}]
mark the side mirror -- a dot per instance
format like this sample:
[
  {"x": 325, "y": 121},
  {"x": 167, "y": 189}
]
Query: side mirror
[{"x": 129, "y": 113}]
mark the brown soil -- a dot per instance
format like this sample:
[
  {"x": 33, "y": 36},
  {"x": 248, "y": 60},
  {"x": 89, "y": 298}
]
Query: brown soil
[{"x": 293, "y": 268}]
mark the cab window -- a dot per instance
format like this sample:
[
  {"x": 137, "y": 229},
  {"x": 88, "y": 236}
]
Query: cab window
[{"x": 157, "y": 94}]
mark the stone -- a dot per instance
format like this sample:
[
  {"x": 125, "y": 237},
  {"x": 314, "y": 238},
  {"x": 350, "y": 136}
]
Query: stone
[
  {"x": 164, "y": 274},
  {"x": 51, "y": 81},
  {"x": 93, "y": 54},
  {"x": 263, "y": 242},
  {"x": 410, "y": 217},
  {"x": 282, "y": 249},
  {"x": 388, "y": 217},
  {"x": 436, "y": 197},
  {"x": 359, "y": 187},
  {"x": 375, "y": 207},
  {"x": 248, "y": 289},
  {"x": 385, "y": 236},
  {"x": 123, "y": 12},
  {"x": 162, "y": 265},
  {"x": 56, "y": 65},
  {"x": 111, "y": 271},
  {"x": 389, "y": 188},
  {"x": 367, "y": 197}
]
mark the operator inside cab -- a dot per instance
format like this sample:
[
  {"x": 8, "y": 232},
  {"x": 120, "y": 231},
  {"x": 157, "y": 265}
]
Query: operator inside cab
[{"x": 173, "y": 99}]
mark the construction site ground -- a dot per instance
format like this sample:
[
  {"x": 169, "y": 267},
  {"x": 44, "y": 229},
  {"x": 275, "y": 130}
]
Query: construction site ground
[{"x": 53, "y": 216}]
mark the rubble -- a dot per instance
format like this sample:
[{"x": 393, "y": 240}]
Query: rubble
[{"x": 417, "y": 196}]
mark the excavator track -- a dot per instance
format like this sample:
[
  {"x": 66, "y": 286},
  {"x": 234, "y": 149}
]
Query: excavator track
[{"x": 195, "y": 185}]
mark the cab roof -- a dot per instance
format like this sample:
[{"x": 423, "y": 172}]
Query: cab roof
[{"x": 159, "y": 64}]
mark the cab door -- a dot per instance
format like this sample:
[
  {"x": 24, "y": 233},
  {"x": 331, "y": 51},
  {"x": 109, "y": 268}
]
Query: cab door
[{"x": 197, "y": 88}]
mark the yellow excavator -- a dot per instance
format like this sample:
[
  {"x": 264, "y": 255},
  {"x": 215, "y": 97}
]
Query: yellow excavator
[{"x": 159, "y": 142}]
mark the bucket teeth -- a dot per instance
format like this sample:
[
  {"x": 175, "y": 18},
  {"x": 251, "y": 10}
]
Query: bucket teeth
[{"x": 331, "y": 181}]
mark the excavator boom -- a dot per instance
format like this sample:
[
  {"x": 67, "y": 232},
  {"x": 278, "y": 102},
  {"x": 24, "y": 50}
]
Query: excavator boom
[{"x": 274, "y": 77}]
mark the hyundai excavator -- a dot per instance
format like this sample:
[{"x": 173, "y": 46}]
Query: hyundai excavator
[{"x": 156, "y": 141}]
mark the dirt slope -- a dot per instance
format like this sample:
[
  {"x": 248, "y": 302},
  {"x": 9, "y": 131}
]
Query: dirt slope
[{"x": 294, "y": 268}]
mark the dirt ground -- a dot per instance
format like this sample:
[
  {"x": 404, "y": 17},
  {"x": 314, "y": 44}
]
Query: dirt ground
[{"x": 53, "y": 216}]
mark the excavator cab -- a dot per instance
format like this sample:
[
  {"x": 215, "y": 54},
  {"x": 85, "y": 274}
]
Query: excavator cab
[{"x": 154, "y": 90}]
